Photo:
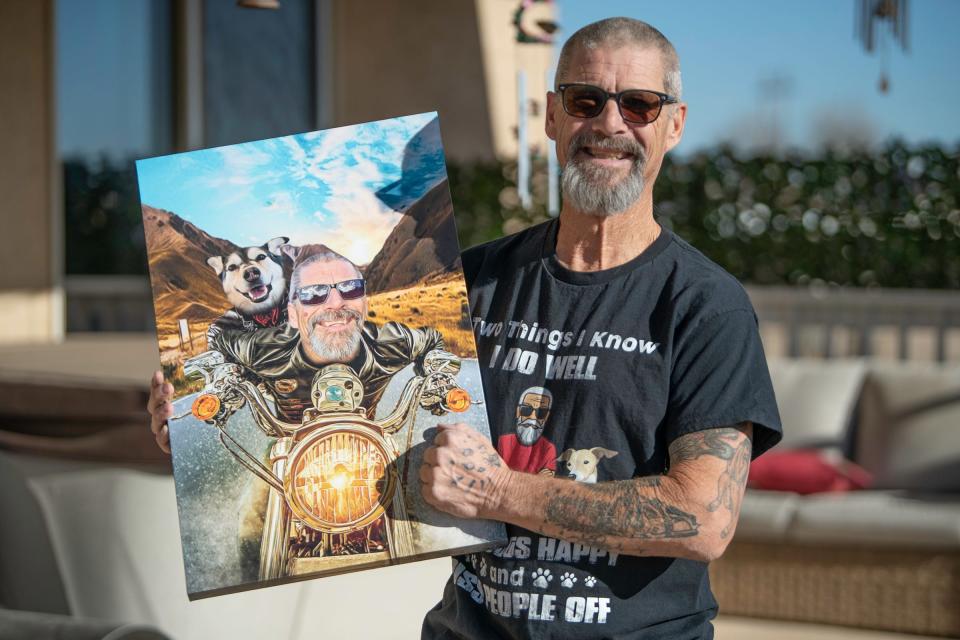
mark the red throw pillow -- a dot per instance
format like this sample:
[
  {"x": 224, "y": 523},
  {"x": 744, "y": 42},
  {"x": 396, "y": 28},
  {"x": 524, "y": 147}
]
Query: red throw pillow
[{"x": 805, "y": 471}]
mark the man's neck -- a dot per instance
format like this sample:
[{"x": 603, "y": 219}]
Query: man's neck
[{"x": 593, "y": 243}]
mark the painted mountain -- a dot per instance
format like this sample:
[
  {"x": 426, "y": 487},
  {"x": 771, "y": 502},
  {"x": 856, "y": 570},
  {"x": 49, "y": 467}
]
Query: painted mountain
[
  {"x": 184, "y": 286},
  {"x": 411, "y": 253}
]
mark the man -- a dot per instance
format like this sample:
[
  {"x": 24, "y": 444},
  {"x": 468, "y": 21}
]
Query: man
[
  {"x": 655, "y": 357},
  {"x": 526, "y": 450}
]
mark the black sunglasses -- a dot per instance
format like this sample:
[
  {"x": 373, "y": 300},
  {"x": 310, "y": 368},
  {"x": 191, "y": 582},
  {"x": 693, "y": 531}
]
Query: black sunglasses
[
  {"x": 318, "y": 293},
  {"x": 526, "y": 411},
  {"x": 640, "y": 106}
]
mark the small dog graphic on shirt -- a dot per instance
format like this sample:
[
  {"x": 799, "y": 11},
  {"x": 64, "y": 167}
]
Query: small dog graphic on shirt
[{"x": 581, "y": 464}]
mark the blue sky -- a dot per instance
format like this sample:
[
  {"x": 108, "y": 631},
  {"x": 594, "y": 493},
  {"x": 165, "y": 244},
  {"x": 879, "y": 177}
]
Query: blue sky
[
  {"x": 329, "y": 187},
  {"x": 726, "y": 48}
]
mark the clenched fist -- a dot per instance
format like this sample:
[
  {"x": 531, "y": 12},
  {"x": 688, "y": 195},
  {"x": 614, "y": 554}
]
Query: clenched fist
[{"x": 462, "y": 474}]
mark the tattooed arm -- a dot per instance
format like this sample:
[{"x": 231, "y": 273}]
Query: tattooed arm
[{"x": 689, "y": 512}]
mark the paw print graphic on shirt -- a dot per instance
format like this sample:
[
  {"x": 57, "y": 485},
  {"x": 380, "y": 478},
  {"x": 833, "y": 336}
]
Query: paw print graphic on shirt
[
  {"x": 542, "y": 578},
  {"x": 567, "y": 580},
  {"x": 590, "y": 581},
  {"x": 483, "y": 566}
]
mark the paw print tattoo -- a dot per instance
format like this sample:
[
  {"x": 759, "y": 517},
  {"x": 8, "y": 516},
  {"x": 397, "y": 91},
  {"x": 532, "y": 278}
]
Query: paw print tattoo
[
  {"x": 542, "y": 578},
  {"x": 590, "y": 581},
  {"x": 567, "y": 580}
]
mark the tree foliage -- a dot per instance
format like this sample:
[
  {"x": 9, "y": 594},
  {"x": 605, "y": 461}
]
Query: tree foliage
[{"x": 889, "y": 218}]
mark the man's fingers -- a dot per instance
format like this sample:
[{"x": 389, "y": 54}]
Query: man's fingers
[
  {"x": 163, "y": 439},
  {"x": 157, "y": 379},
  {"x": 160, "y": 405}
]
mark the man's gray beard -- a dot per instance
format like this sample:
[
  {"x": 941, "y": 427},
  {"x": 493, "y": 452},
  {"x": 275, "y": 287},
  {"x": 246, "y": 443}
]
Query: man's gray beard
[
  {"x": 589, "y": 188},
  {"x": 339, "y": 347},
  {"x": 528, "y": 432}
]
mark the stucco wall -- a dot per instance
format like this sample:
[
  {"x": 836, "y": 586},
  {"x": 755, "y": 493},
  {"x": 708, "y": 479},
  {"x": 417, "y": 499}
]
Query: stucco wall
[{"x": 27, "y": 263}]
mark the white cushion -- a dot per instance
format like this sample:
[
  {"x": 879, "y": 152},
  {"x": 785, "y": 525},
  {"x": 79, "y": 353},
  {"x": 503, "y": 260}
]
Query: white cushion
[
  {"x": 877, "y": 518},
  {"x": 766, "y": 515},
  {"x": 816, "y": 399},
  {"x": 909, "y": 431}
]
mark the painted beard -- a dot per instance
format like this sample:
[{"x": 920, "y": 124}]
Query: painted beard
[
  {"x": 591, "y": 188},
  {"x": 339, "y": 347},
  {"x": 528, "y": 431}
]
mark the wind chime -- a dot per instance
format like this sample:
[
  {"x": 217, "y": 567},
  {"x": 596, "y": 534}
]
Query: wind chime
[{"x": 878, "y": 23}]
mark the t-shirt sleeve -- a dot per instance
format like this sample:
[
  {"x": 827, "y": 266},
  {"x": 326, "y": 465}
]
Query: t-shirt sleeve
[{"x": 719, "y": 378}]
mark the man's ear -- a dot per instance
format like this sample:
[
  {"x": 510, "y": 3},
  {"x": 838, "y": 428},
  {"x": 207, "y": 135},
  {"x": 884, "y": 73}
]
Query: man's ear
[
  {"x": 217, "y": 263},
  {"x": 550, "y": 117},
  {"x": 292, "y": 316},
  {"x": 677, "y": 120}
]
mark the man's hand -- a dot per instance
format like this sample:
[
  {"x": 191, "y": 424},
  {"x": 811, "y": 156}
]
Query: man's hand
[
  {"x": 462, "y": 473},
  {"x": 160, "y": 408}
]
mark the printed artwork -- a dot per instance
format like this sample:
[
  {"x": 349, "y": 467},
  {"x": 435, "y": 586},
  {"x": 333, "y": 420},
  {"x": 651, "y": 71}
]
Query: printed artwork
[{"x": 312, "y": 316}]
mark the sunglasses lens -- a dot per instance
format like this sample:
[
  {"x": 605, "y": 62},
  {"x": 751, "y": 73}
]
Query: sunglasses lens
[
  {"x": 640, "y": 106},
  {"x": 316, "y": 294},
  {"x": 526, "y": 411},
  {"x": 583, "y": 101},
  {"x": 351, "y": 289}
]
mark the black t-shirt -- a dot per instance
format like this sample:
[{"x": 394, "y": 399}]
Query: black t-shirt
[{"x": 591, "y": 375}]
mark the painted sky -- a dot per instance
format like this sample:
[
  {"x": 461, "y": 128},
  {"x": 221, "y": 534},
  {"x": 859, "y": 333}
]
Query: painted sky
[{"x": 331, "y": 187}]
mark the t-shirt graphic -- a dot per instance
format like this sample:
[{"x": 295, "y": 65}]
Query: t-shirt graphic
[{"x": 532, "y": 459}]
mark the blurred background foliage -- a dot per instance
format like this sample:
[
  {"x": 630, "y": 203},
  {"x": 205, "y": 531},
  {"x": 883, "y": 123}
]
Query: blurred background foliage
[{"x": 887, "y": 218}]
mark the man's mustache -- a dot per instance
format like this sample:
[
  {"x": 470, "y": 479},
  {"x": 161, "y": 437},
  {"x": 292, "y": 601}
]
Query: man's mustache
[
  {"x": 598, "y": 141},
  {"x": 335, "y": 315},
  {"x": 530, "y": 423}
]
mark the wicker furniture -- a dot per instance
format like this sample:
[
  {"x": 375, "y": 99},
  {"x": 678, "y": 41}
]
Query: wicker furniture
[{"x": 885, "y": 559}]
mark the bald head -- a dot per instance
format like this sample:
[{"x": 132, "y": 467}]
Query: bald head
[{"x": 615, "y": 33}]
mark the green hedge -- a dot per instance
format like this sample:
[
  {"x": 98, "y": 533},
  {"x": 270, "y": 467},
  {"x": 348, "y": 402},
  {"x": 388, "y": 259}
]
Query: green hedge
[{"x": 891, "y": 218}]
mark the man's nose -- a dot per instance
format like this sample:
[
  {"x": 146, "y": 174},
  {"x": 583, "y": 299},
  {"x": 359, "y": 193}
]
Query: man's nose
[
  {"x": 609, "y": 121},
  {"x": 334, "y": 299}
]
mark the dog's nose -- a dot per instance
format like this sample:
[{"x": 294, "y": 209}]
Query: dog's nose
[{"x": 251, "y": 274}]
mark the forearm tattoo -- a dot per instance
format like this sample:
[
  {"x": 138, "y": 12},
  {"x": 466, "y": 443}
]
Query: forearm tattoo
[
  {"x": 721, "y": 443},
  {"x": 616, "y": 510}
]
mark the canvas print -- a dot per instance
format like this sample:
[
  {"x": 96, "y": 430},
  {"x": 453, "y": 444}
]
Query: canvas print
[{"x": 312, "y": 316}]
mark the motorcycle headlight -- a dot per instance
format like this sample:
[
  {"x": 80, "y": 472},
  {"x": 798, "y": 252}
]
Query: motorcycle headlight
[
  {"x": 457, "y": 400},
  {"x": 205, "y": 406}
]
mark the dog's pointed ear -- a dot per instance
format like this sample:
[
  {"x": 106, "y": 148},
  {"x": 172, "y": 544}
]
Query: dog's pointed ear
[
  {"x": 290, "y": 251},
  {"x": 217, "y": 263},
  {"x": 274, "y": 246},
  {"x": 600, "y": 452},
  {"x": 566, "y": 455}
]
